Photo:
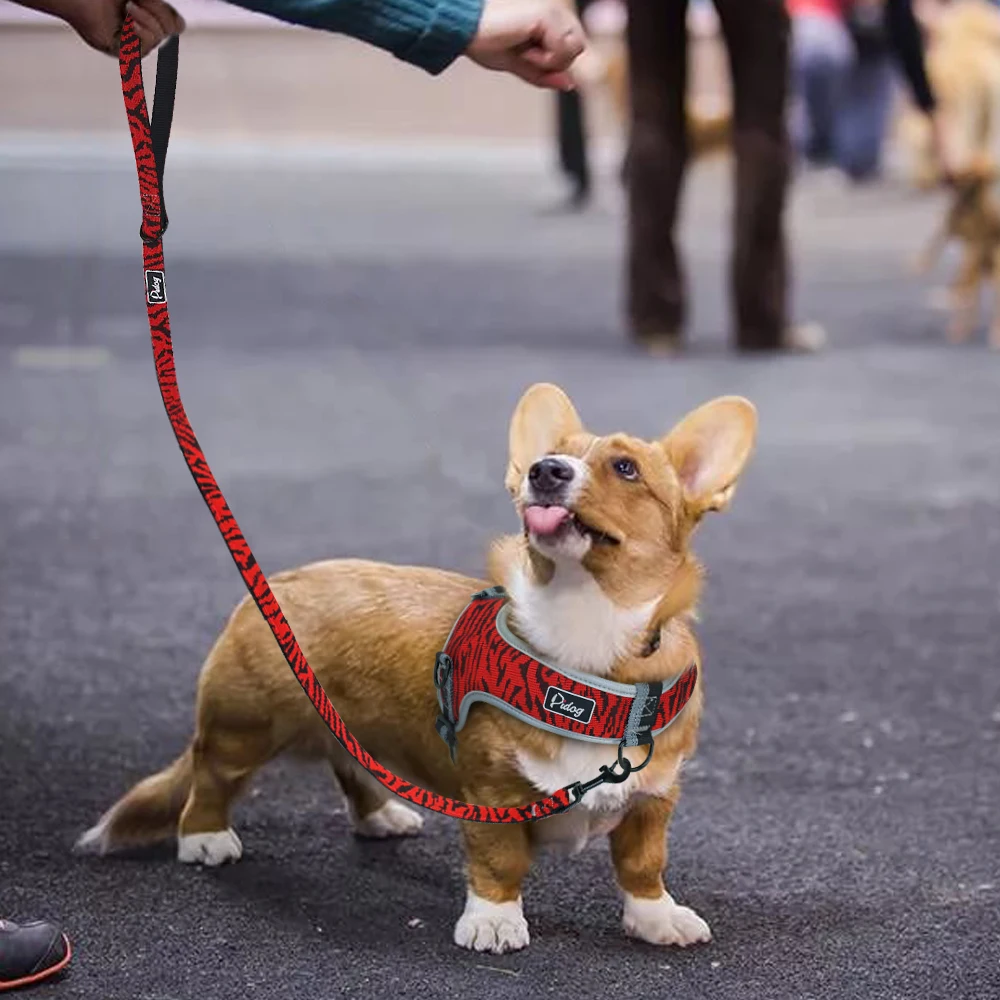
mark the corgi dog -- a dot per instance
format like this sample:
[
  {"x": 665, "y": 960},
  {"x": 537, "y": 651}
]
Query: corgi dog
[
  {"x": 603, "y": 564},
  {"x": 973, "y": 220}
]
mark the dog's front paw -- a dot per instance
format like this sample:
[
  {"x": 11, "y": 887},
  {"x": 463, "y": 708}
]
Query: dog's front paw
[
  {"x": 662, "y": 921},
  {"x": 393, "y": 819},
  {"x": 212, "y": 849},
  {"x": 495, "y": 927}
]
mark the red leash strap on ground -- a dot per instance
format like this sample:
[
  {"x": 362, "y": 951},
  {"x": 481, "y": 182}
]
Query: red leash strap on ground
[{"x": 149, "y": 156}]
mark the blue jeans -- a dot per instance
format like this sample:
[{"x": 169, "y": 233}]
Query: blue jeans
[
  {"x": 864, "y": 116},
  {"x": 822, "y": 56}
]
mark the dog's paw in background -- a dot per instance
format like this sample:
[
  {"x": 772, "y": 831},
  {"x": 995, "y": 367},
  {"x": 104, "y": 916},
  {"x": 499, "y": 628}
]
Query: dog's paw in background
[
  {"x": 493, "y": 927},
  {"x": 212, "y": 849},
  {"x": 662, "y": 921},
  {"x": 392, "y": 819}
]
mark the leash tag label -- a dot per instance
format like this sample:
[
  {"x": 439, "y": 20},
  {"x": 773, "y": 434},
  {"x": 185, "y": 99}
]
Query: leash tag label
[
  {"x": 156, "y": 289},
  {"x": 572, "y": 706}
]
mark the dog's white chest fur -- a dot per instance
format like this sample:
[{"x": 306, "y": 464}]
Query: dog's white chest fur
[
  {"x": 602, "y": 808},
  {"x": 573, "y": 622}
]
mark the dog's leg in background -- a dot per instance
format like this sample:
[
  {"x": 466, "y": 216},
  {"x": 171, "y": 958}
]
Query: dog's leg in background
[
  {"x": 923, "y": 262},
  {"x": 375, "y": 812},
  {"x": 965, "y": 296},
  {"x": 639, "y": 854},
  {"x": 995, "y": 325},
  {"x": 498, "y": 860}
]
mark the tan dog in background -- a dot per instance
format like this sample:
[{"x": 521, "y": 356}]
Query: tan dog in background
[
  {"x": 963, "y": 65},
  {"x": 973, "y": 220},
  {"x": 603, "y": 68},
  {"x": 604, "y": 564}
]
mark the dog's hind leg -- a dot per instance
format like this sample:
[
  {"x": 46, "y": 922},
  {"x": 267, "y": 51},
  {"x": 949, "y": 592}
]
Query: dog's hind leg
[
  {"x": 375, "y": 812},
  {"x": 223, "y": 759}
]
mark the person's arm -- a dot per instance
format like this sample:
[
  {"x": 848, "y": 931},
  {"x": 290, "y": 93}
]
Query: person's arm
[
  {"x": 430, "y": 34},
  {"x": 908, "y": 44},
  {"x": 536, "y": 40}
]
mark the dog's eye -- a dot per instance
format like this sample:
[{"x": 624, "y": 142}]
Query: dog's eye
[{"x": 625, "y": 468}]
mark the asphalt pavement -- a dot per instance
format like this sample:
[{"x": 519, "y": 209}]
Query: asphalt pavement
[{"x": 351, "y": 338}]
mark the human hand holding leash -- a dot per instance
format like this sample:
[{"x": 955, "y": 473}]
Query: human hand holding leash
[
  {"x": 99, "y": 22},
  {"x": 536, "y": 40}
]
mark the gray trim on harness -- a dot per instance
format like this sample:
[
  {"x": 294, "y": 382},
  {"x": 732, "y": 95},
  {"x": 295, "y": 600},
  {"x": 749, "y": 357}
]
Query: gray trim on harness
[
  {"x": 474, "y": 696},
  {"x": 631, "y": 737}
]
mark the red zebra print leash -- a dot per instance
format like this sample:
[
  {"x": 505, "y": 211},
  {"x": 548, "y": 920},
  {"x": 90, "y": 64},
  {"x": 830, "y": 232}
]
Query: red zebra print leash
[{"x": 149, "y": 142}]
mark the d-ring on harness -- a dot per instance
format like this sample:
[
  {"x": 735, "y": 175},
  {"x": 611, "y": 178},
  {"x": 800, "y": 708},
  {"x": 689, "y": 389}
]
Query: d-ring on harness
[{"x": 149, "y": 142}]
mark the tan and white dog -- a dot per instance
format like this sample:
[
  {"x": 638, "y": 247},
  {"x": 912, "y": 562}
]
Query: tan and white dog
[
  {"x": 963, "y": 65},
  {"x": 604, "y": 563}
]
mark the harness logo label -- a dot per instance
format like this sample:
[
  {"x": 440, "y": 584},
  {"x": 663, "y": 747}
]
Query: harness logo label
[
  {"x": 572, "y": 706},
  {"x": 156, "y": 289}
]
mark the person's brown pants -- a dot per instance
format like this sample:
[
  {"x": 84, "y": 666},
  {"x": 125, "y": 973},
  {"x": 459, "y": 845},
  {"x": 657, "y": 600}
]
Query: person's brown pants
[{"x": 756, "y": 33}]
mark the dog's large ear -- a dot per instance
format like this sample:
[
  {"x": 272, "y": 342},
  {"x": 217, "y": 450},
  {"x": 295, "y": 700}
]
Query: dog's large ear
[
  {"x": 709, "y": 448},
  {"x": 543, "y": 417}
]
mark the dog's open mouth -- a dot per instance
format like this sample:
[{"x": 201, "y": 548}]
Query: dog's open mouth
[{"x": 551, "y": 524}]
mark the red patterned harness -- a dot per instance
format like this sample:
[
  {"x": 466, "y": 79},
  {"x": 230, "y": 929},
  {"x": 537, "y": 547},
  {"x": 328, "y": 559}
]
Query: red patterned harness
[
  {"x": 149, "y": 143},
  {"x": 484, "y": 661}
]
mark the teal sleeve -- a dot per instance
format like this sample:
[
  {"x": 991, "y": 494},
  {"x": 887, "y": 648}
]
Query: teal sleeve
[{"x": 430, "y": 34}]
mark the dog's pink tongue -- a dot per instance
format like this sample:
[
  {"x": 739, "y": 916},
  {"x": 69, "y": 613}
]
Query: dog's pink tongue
[{"x": 545, "y": 520}]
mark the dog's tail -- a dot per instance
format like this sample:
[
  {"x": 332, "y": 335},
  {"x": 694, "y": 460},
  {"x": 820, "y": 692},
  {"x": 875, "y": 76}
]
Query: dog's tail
[{"x": 145, "y": 815}]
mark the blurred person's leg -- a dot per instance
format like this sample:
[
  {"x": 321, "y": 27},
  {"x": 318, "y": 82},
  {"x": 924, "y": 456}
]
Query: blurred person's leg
[
  {"x": 821, "y": 56},
  {"x": 757, "y": 37},
  {"x": 571, "y": 133},
  {"x": 864, "y": 117},
  {"x": 572, "y": 142},
  {"x": 654, "y": 169}
]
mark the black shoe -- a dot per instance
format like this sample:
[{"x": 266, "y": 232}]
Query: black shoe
[{"x": 31, "y": 952}]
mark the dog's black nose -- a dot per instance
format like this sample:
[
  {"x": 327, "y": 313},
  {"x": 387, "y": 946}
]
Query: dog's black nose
[{"x": 549, "y": 475}]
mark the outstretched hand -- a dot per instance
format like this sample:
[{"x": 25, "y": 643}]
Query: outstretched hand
[{"x": 536, "y": 40}]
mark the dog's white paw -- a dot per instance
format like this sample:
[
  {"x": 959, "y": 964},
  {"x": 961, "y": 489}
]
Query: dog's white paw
[
  {"x": 211, "y": 849},
  {"x": 662, "y": 921},
  {"x": 394, "y": 819},
  {"x": 495, "y": 927}
]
